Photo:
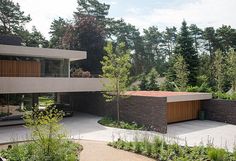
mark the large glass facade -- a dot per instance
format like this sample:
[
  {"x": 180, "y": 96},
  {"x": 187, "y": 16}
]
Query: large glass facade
[{"x": 13, "y": 106}]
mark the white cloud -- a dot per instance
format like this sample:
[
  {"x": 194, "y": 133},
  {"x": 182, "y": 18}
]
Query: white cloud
[
  {"x": 43, "y": 12},
  {"x": 201, "y": 12}
]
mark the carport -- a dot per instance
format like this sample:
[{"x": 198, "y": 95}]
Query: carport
[
  {"x": 153, "y": 109},
  {"x": 181, "y": 106}
]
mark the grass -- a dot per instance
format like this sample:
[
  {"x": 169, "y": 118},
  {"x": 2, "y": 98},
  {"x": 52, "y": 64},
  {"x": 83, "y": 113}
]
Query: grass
[
  {"x": 107, "y": 121},
  {"x": 160, "y": 150}
]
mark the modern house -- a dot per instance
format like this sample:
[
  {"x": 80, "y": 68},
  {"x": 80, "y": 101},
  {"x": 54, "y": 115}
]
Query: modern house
[{"x": 28, "y": 72}]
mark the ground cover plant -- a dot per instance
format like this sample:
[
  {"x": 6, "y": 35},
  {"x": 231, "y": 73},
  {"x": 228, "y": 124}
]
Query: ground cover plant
[
  {"x": 107, "y": 121},
  {"x": 49, "y": 142},
  {"x": 162, "y": 151}
]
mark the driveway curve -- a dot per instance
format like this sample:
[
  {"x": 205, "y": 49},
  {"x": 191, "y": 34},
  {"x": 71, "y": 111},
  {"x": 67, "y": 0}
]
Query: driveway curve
[{"x": 84, "y": 126}]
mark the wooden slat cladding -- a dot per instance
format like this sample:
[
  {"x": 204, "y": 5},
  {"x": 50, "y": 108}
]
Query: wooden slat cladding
[
  {"x": 11, "y": 68},
  {"x": 182, "y": 111}
]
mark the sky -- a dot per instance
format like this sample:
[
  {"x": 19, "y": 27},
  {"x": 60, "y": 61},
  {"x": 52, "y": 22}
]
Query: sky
[{"x": 141, "y": 13}]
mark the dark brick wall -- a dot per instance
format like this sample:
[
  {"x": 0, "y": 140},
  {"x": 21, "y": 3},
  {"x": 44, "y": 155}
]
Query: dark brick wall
[
  {"x": 148, "y": 111},
  {"x": 220, "y": 110}
]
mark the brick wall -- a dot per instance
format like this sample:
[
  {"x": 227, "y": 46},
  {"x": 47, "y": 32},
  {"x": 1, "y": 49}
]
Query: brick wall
[
  {"x": 220, "y": 110},
  {"x": 148, "y": 111}
]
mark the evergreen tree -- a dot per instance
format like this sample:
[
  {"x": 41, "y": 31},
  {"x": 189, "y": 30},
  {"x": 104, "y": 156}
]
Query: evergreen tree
[
  {"x": 186, "y": 49},
  {"x": 12, "y": 19},
  {"x": 57, "y": 31},
  {"x": 35, "y": 39}
]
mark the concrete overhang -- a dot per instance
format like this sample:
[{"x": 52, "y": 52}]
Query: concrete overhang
[
  {"x": 72, "y": 55},
  {"x": 49, "y": 85},
  {"x": 172, "y": 96}
]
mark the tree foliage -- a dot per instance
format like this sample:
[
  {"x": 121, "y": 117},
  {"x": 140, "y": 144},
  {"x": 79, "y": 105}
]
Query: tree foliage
[
  {"x": 232, "y": 68},
  {"x": 116, "y": 67},
  {"x": 57, "y": 31},
  {"x": 181, "y": 72},
  {"x": 12, "y": 19},
  {"x": 218, "y": 68},
  {"x": 186, "y": 49}
]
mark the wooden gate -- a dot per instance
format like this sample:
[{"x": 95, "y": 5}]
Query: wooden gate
[{"x": 182, "y": 111}]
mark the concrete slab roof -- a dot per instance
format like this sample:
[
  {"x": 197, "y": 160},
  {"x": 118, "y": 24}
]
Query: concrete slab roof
[
  {"x": 172, "y": 96},
  {"x": 72, "y": 55}
]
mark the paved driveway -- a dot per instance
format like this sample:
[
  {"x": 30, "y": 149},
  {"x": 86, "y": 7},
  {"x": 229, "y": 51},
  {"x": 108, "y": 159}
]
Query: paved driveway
[{"x": 85, "y": 126}]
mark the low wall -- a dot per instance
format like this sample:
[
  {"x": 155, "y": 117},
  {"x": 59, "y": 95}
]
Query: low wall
[
  {"x": 148, "y": 111},
  {"x": 220, "y": 110}
]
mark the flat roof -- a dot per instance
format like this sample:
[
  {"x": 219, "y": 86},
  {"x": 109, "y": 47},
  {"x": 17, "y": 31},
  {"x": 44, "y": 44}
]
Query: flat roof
[
  {"x": 72, "y": 55},
  {"x": 172, "y": 96}
]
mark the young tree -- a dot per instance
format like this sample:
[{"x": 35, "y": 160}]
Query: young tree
[
  {"x": 12, "y": 19},
  {"x": 115, "y": 67},
  {"x": 218, "y": 68},
  {"x": 232, "y": 68},
  {"x": 186, "y": 49},
  {"x": 181, "y": 72}
]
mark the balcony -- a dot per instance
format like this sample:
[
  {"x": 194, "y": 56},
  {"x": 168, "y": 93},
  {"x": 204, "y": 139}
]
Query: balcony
[{"x": 49, "y": 85}]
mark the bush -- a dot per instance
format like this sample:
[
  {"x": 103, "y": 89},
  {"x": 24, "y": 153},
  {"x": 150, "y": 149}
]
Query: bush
[
  {"x": 217, "y": 154},
  {"x": 107, "y": 121}
]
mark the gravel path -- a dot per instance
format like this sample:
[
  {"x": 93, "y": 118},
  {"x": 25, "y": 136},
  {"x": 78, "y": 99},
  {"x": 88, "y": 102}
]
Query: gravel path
[{"x": 99, "y": 151}]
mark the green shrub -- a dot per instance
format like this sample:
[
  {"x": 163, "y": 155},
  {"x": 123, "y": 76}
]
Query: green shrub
[
  {"x": 217, "y": 154},
  {"x": 160, "y": 150},
  {"x": 107, "y": 121}
]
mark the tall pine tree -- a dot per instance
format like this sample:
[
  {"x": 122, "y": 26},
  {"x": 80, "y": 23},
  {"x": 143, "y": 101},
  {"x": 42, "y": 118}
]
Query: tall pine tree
[{"x": 186, "y": 49}]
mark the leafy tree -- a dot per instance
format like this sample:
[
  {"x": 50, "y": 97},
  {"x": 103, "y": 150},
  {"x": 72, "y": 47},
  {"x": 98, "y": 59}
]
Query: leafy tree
[
  {"x": 186, "y": 49},
  {"x": 88, "y": 33},
  {"x": 12, "y": 19},
  {"x": 218, "y": 68},
  {"x": 116, "y": 66},
  {"x": 232, "y": 68},
  {"x": 181, "y": 72},
  {"x": 57, "y": 30}
]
